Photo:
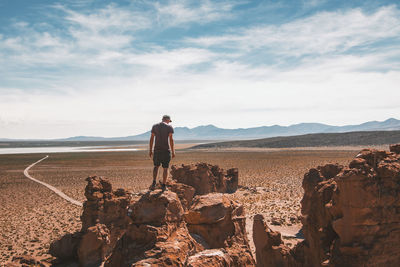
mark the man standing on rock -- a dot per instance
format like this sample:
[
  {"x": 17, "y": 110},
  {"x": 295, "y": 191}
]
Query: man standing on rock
[{"x": 162, "y": 154}]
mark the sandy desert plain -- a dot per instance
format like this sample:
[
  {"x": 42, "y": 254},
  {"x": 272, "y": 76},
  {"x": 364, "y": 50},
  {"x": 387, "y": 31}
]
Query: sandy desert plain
[{"x": 31, "y": 216}]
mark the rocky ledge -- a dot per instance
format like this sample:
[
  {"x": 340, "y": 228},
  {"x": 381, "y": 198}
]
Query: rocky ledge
[{"x": 189, "y": 224}]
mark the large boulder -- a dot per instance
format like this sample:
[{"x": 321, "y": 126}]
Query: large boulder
[
  {"x": 220, "y": 223},
  {"x": 157, "y": 208},
  {"x": 206, "y": 178},
  {"x": 350, "y": 216},
  {"x": 210, "y": 217}
]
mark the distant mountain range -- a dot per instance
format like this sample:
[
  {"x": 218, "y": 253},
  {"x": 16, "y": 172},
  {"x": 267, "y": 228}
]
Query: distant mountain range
[
  {"x": 211, "y": 132},
  {"x": 364, "y": 138}
]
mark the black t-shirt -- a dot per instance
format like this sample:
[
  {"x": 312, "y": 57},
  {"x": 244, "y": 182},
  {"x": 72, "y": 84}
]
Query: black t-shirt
[{"x": 161, "y": 131}]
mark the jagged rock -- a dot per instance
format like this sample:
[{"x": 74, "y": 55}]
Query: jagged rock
[
  {"x": 368, "y": 222},
  {"x": 104, "y": 221},
  {"x": 66, "y": 247},
  {"x": 102, "y": 205},
  {"x": 157, "y": 236},
  {"x": 395, "y": 148},
  {"x": 145, "y": 245},
  {"x": 206, "y": 178},
  {"x": 210, "y": 217},
  {"x": 210, "y": 257},
  {"x": 221, "y": 223},
  {"x": 156, "y": 208},
  {"x": 350, "y": 215},
  {"x": 316, "y": 219},
  {"x": 270, "y": 250},
  {"x": 158, "y": 228},
  {"x": 184, "y": 192},
  {"x": 92, "y": 250}
]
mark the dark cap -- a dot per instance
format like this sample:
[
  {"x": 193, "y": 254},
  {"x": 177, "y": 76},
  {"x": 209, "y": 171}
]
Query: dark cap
[{"x": 166, "y": 117}]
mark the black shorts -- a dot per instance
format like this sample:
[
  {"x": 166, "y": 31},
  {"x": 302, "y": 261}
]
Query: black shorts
[{"x": 162, "y": 157}]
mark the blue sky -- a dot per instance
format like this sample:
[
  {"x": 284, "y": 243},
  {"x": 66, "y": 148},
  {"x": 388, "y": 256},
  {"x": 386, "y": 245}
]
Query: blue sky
[{"x": 114, "y": 68}]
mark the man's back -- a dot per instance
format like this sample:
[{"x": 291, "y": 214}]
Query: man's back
[{"x": 161, "y": 131}]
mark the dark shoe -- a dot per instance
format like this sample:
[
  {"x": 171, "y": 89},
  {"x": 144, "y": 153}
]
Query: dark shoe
[
  {"x": 163, "y": 187},
  {"x": 153, "y": 185}
]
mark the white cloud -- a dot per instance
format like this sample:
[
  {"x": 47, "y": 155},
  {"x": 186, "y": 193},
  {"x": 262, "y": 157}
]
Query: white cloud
[
  {"x": 313, "y": 3},
  {"x": 326, "y": 32},
  {"x": 111, "y": 27},
  {"x": 179, "y": 13},
  {"x": 170, "y": 60},
  {"x": 108, "y": 18}
]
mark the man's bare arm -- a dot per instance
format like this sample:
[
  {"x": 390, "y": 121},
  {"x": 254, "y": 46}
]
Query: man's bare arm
[
  {"x": 151, "y": 145},
  {"x": 171, "y": 144}
]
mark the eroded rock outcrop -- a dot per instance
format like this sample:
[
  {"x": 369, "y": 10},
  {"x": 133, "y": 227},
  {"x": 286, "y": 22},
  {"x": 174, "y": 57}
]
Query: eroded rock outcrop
[
  {"x": 271, "y": 250},
  {"x": 182, "y": 226},
  {"x": 220, "y": 223},
  {"x": 206, "y": 178},
  {"x": 350, "y": 216},
  {"x": 157, "y": 235}
]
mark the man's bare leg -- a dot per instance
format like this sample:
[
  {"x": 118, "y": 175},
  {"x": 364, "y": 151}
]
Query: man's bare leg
[
  {"x": 155, "y": 173},
  {"x": 165, "y": 175}
]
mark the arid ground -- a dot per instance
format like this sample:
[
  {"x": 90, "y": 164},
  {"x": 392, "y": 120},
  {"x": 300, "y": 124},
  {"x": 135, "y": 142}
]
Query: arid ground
[{"x": 31, "y": 216}]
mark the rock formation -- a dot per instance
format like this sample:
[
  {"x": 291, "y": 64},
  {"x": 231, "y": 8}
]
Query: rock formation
[
  {"x": 206, "y": 178},
  {"x": 186, "y": 225},
  {"x": 271, "y": 250},
  {"x": 350, "y": 216}
]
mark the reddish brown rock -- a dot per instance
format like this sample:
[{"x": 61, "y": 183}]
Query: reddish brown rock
[
  {"x": 270, "y": 249},
  {"x": 94, "y": 245},
  {"x": 102, "y": 205},
  {"x": 184, "y": 192},
  {"x": 66, "y": 247},
  {"x": 368, "y": 225},
  {"x": 157, "y": 236},
  {"x": 156, "y": 208},
  {"x": 208, "y": 209},
  {"x": 395, "y": 148},
  {"x": 206, "y": 178},
  {"x": 210, "y": 257},
  {"x": 145, "y": 245},
  {"x": 221, "y": 223},
  {"x": 104, "y": 221},
  {"x": 316, "y": 219},
  {"x": 350, "y": 216},
  {"x": 158, "y": 228}
]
